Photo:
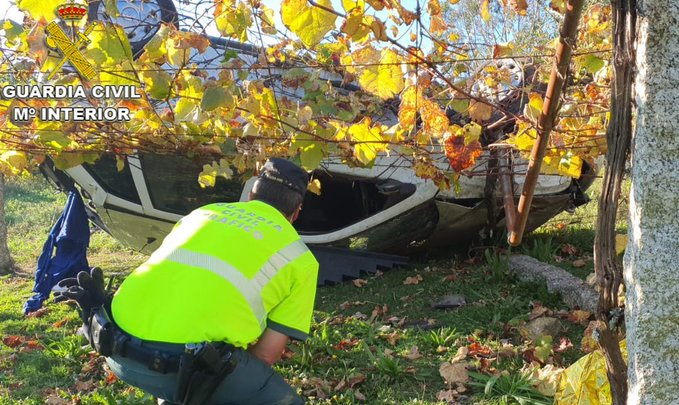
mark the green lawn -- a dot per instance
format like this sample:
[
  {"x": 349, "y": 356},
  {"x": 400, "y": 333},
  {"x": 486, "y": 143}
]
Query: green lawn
[{"x": 377, "y": 341}]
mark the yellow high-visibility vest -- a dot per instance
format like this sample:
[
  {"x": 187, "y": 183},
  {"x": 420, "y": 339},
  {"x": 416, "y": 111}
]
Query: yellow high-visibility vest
[{"x": 225, "y": 273}]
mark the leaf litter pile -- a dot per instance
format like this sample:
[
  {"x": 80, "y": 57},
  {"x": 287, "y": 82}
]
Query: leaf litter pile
[{"x": 379, "y": 339}]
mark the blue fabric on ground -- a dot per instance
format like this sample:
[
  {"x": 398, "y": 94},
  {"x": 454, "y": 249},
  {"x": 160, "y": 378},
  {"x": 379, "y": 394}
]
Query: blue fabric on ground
[{"x": 64, "y": 253}]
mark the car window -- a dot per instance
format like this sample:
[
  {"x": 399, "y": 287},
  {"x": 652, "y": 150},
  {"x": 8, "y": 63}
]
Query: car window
[
  {"x": 172, "y": 183},
  {"x": 114, "y": 181}
]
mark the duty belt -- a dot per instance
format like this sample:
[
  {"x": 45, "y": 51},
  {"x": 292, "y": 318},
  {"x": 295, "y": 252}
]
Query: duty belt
[{"x": 159, "y": 357}]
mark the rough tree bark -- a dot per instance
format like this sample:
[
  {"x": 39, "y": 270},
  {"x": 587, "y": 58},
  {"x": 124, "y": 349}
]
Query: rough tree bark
[
  {"x": 650, "y": 264},
  {"x": 6, "y": 263},
  {"x": 606, "y": 265}
]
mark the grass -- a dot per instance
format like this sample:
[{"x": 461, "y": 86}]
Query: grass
[
  {"x": 379, "y": 343},
  {"x": 548, "y": 242}
]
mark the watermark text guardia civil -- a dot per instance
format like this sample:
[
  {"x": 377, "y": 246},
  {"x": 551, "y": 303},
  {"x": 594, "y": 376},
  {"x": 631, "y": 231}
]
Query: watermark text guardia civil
[{"x": 79, "y": 95}]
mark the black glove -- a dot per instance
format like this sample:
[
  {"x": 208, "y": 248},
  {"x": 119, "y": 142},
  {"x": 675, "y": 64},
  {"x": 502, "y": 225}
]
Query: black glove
[{"x": 87, "y": 289}]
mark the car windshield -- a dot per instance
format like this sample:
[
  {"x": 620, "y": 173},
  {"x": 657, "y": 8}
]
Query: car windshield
[{"x": 172, "y": 183}]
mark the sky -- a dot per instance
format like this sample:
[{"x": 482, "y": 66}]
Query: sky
[{"x": 12, "y": 12}]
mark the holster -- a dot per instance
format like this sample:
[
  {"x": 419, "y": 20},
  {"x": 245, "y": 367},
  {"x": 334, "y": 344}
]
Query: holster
[
  {"x": 201, "y": 372},
  {"x": 100, "y": 331}
]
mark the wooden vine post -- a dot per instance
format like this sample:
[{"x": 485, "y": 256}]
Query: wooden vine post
[{"x": 550, "y": 108}]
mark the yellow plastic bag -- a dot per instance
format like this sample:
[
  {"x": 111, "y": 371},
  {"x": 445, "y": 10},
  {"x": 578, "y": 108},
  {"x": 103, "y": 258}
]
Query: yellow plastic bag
[{"x": 585, "y": 381}]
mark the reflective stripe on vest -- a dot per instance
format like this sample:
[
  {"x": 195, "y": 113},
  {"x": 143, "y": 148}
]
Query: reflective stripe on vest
[{"x": 251, "y": 289}]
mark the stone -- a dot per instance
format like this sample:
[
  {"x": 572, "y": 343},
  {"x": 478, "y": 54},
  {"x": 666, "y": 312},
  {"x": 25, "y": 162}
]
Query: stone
[
  {"x": 543, "y": 326},
  {"x": 450, "y": 301}
]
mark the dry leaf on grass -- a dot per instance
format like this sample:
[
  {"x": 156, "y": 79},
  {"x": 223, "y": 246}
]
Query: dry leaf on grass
[
  {"x": 579, "y": 316},
  {"x": 461, "y": 354},
  {"x": 413, "y": 280},
  {"x": 39, "y": 313},
  {"x": 413, "y": 354},
  {"x": 579, "y": 263},
  {"x": 454, "y": 372},
  {"x": 13, "y": 340},
  {"x": 359, "y": 282}
]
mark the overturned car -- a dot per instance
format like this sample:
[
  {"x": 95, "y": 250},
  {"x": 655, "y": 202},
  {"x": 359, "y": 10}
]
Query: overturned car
[{"x": 363, "y": 219}]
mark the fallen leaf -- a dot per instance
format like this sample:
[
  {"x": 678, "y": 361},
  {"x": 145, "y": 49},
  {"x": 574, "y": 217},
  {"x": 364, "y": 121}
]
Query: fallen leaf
[
  {"x": 389, "y": 353},
  {"x": 31, "y": 345},
  {"x": 413, "y": 280},
  {"x": 476, "y": 349},
  {"x": 355, "y": 380},
  {"x": 360, "y": 316},
  {"x": 454, "y": 372},
  {"x": 359, "y": 396},
  {"x": 449, "y": 396},
  {"x": 564, "y": 344},
  {"x": 54, "y": 399},
  {"x": 579, "y": 316},
  {"x": 378, "y": 311},
  {"x": 60, "y": 323},
  {"x": 588, "y": 344},
  {"x": 84, "y": 386},
  {"x": 38, "y": 313},
  {"x": 13, "y": 340},
  {"x": 346, "y": 344},
  {"x": 546, "y": 379},
  {"x": 349, "y": 304},
  {"x": 579, "y": 263},
  {"x": 359, "y": 282},
  {"x": 110, "y": 378},
  {"x": 413, "y": 354},
  {"x": 460, "y": 355},
  {"x": 537, "y": 311},
  {"x": 569, "y": 249},
  {"x": 392, "y": 338}
]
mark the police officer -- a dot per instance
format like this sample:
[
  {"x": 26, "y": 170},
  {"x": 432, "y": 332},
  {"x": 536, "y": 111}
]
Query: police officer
[{"x": 228, "y": 272}]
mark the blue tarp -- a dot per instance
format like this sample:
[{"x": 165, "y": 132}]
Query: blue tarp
[{"x": 64, "y": 253}]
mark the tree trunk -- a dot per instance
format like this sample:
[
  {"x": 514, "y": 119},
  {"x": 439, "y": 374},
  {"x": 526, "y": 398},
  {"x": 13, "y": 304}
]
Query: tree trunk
[
  {"x": 650, "y": 270},
  {"x": 6, "y": 263},
  {"x": 606, "y": 265}
]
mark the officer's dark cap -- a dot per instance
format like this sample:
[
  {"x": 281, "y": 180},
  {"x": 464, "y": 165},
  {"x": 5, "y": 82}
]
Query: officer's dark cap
[{"x": 287, "y": 173}]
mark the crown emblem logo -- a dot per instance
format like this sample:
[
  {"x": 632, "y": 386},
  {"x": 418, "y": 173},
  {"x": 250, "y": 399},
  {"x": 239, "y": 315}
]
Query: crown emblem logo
[{"x": 72, "y": 11}]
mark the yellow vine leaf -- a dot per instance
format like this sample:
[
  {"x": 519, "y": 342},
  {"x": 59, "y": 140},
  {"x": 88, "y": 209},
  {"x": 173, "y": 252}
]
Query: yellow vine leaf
[
  {"x": 479, "y": 112},
  {"x": 407, "y": 110},
  {"x": 310, "y": 150},
  {"x": 382, "y": 74},
  {"x": 108, "y": 45},
  {"x": 39, "y": 9},
  {"x": 519, "y": 6},
  {"x": 376, "y": 4},
  {"x": 463, "y": 147},
  {"x": 485, "y": 10},
  {"x": 559, "y": 161},
  {"x": 369, "y": 141},
  {"x": 156, "y": 83},
  {"x": 533, "y": 109},
  {"x": 434, "y": 119},
  {"x": 208, "y": 176},
  {"x": 13, "y": 162},
  {"x": 314, "y": 186},
  {"x": 310, "y": 23},
  {"x": 357, "y": 26},
  {"x": 350, "y": 5},
  {"x": 233, "y": 20}
]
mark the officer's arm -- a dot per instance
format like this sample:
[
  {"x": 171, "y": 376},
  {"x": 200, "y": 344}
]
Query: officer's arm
[{"x": 270, "y": 346}]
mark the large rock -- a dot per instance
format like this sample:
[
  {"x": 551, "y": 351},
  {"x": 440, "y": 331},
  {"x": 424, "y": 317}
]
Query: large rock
[{"x": 574, "y": 292}]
